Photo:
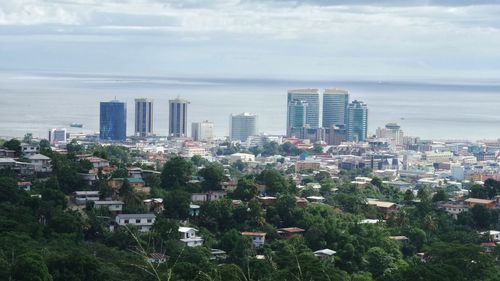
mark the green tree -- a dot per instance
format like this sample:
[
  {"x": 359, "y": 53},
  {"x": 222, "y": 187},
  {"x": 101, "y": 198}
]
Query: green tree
[
  {"x": 245, "y": 190},
  {"x": 177, "y": 204},
  {"x": 275, "y": 182},
  {"x": 176, "y": 173},
  {"x": 481, "y": 216},
  {"x": 213, "y": 175},
  {"x": 478, "y": 191},
  {"x": 30, "y": 267},
  {"x": 440, "y": 196},
  {"x": 13, "y": 144},
  {"x": 377, "y": 261}
]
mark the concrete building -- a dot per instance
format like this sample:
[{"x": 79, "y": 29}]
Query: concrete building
[
  {"x": 143, "y": 222},
  {"x": 311, "y": 96},
  {"x": 202, "y": 131},
  {"x": 335, "y": 104},
  {"x": 336, "y": 134},
  {"x": 143, "y": 117},
  {"x": 357, "y": 123},
  {"x": 188, "y": 236},
  {"x": 113, "y": 121},
  {"x": 242, "y": 126},
  {"x": 296, "y": 116},
  {"x": 258, "y": 238},
  {"x": 178, "y": 109},
  {"x": 57, "y": 135},
  {"x": 391, "y": 132},
  {"x": 41, "y": 163}
]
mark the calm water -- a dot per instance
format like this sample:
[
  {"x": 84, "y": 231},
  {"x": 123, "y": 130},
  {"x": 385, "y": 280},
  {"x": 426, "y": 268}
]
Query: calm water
[{"x": 36, "y": 103}]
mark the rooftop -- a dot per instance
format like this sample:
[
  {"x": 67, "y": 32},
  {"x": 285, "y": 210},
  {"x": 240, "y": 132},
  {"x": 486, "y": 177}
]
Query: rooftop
[{"x": 136, "y": 216}]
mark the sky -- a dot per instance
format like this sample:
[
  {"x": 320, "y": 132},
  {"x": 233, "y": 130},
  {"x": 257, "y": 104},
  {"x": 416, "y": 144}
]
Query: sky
[{"x": 282, "y": 39}]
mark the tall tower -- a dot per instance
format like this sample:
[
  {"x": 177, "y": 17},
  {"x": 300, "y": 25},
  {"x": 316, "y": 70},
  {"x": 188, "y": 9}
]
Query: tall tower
[
  {"x": 335, "y": 103},
  {"x": 297, "y": 116},
  {"x": 242, "y": 126},
  {"x": 178, "y": 117},
  {"x": 357, "y": 125},
  {"x": 143, "y": 117},
  {"x": 113, "y": 121},
  {"x": 311, "y": 96}
]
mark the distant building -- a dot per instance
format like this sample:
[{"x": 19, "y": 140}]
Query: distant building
[
  {"x": 336, "y": 134},
  {"x": 143, "y": 222},
  {"x": 57, "y": 135},
  {"x": 202, "y": 131},
  {"x": 296, "y": 117},
  {"x": 178, "y": 117},
  {"x": 113, "y": 121},
  {"x": 335, "y": 104},
  {"x": 391, "y": 132},
  {"x": 242, "y": 126},
  {"x": 311, "y": 97},
  {"x": 188, "y": 236},
  {"x": 143, "y": 117},
  {"x": 357, "y": 123},
  {"x": 258, "y": 238}
]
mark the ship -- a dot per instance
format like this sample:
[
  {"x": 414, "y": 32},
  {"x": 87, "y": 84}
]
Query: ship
[{"x": 76, "y": 125}]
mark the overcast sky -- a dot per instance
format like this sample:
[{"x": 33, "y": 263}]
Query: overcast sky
[{"x": 316, "y": 39}]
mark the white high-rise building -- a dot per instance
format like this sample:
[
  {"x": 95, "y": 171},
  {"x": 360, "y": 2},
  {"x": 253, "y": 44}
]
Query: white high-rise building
[
  {"x": 335, "y": 104},
  {"x": 242, "y": 126},
  {"x": 202, "y": 131},
  {"x": 143, "y": 117},
  {"x": 178, "y": 117},
  {"x": 57, "y": 135}
]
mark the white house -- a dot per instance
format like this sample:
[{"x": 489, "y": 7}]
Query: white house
[
  {"x": 324, "y": 253},
  {"x": 258, "y": 238},
  {"x": 143, "y": 222},
  {"x": 29, "y": 149},
  {"x": 243, "y": 157},
  {"x": 454, "y": 209},
  {"x": 40, "y": 162},
  {"x": 112, "y": 206},
  {"x": 188, "y": 236},
  {"x": 494, "y": 235},
  {"x": 82, "y": 197}
]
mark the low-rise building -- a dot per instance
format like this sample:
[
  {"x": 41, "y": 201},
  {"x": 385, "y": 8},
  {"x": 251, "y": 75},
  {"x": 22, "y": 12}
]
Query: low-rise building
[
  {"x": 82, "y": 197},
  {"x": 258, "y": 238},
  {"x": 41, "y": 163},
  {"x": 188, "y": 236},
  {"x": 143, "y": 222},
  {"x": 324, "y": 253},
  {"x": 112, "y": 206},
  {"x": 454, "y": 209},
  {"x": 387, "y": 208},
  {"x": 289, "y": 232},
  {"x": 471, "y": 202}
]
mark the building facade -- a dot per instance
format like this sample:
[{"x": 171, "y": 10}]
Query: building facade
[
  {"x": 296, "y": 116},
  {"x": 311, "y": 97},
  {"x": 113, "y": 121},
  {"x": 202, "y": 131},
  {"x": 335, "y": 104},
  {"x": 242, "y": 126},
  {"x": 392, "y": 132},
  {"x": 143, "y": 117},
  {"x": 178, "y": 109},
  {"x": 357, "y": 123},
  {"x": 57, "y": 135}
]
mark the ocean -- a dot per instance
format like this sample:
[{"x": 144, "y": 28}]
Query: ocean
[{"x": 36, "y": 102}]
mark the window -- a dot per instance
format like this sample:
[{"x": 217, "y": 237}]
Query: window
[
  {"x": 137, "y": 221},
  {"x": 126, "y": 221},
  {"x": 150, "y": 220}
]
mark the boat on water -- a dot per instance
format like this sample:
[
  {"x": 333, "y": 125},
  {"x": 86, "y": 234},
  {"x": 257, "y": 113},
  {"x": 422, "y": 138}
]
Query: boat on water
[{"x": 76, "y": 125}]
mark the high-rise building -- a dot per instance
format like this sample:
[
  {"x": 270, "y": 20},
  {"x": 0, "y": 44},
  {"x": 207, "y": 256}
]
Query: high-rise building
[
  {"x": 202, "y": 131},
  {"x": 392, "y": 132},
  {"x": 311, "y": 97},
  {"x": 113, "y": 121},
  {"x": 297, "y": 116},
  {"x": 242, "y": 126},
  {"x": 336, "y": 134},
  {"x": 357, "y": 123},
  {"x": 178, "y": 117},
  {"x": 57, "y": 135},
  {"x": 143, "y": 117},
  {"x": 335, "y": 103}
]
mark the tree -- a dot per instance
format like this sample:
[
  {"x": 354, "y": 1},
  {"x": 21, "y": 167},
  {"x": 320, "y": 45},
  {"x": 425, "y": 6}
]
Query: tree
[
  {"x": 176, "y": 173},
  {"x": 44, "y": 146},
  {"x": 378, "y": 261},
  {"x": 478, "y": 191},
  {"x": 199, "y": 161},
  {"x": 481, "y": 216},
  {"x": 30, "y": 267},
  {"x": 177, "y": 204},
  {"x": 274, "y": 181},
  {"x": 213, "y": 175},
  {"x": 13, "y": 144},
  {"x": 440, "y": 196},
  {"x": 377, "y": 182},
  {"x": 245, "y": 190},
  {"x": 493, "y": 187},
  {"x": 237, "y": 246},
  {"x": 409, "y": 196}
]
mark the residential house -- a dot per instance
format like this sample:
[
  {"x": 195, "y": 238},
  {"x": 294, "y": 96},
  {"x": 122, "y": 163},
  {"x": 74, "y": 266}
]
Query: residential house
[
  {"x": 82, "y": 197},
  {"x": 258, "y": 238},
  {"x": 24, "y": 185},
  {"x": 21, "y": 168},
  {"x": 194, "y": 210},
  {"x": 112, "y": 206},
  {"x": 387, "y": 208},
  {"x": 471, "y": 202},
  {"x": 29, "y": 149},
  {"x": 289, "y": 232},
  {"x": 143, "y": 222},
  {"x": 208, "y": 196},
  {"x": 493, "y": 235},
  {"x": 41, "y": 163},
  {"x": 157, "y": 258},
  {"x": 324, "y": 253},
  {"x": 154, "y": 205},
  {"x": 6, "y": 153},
  {"x": 188, "y": 236},
  {"x": 454, "y": 209}
]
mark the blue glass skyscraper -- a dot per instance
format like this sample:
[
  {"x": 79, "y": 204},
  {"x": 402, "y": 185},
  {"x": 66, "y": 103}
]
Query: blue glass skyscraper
[{"x": 113, "y": 121}]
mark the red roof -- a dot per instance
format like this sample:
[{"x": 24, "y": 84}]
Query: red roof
[{"x": 247, "y": 233}]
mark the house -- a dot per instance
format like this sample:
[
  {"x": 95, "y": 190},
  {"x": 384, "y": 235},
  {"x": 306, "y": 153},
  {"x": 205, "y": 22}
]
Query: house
[
  {"x": 258, "y": 238},
  {"x": 306, "y": 165},
  {"x": 489, "y": 247},
  {"x": 217, "y": 254},
  {"x": 143, "y": 222},
  {"x": 157, "y": 258},
  {"x": 154, "y": 205},
  {"x": 267, "y": 200},
  {"x": 493, "y": 235},
  {"x": 29, "y": 149},
  {"x": 471, "y": 202},
  {"x": 6, "y": 153},
  {"x": 194, "y": 210},
  {"x": 89, "y": 178},
  {"x": 82, "y": 197},
  {"x": 324, "y": 253},
  {"x": 454, "y": 209},
  {"x": 243, "y": 157},
  {"x": 387, "y": 208},
  {"x": 301, "y": 202},
  {"x": 188, "y": 236},
  {"x": 289, "y": 232},
  {"x": 112, "y": 206},
  {"x": 24, "y": 185},
  {"x": 316, "y": 199},
  {"x": 208, "y": 196},
  {"x": 21, "y": 168},
  {"x": 135, "y": 172},
  {"x": 41, "y": 163},
  {"x": 97, "y": 162},
  {"x": 400, "y": 238}
]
